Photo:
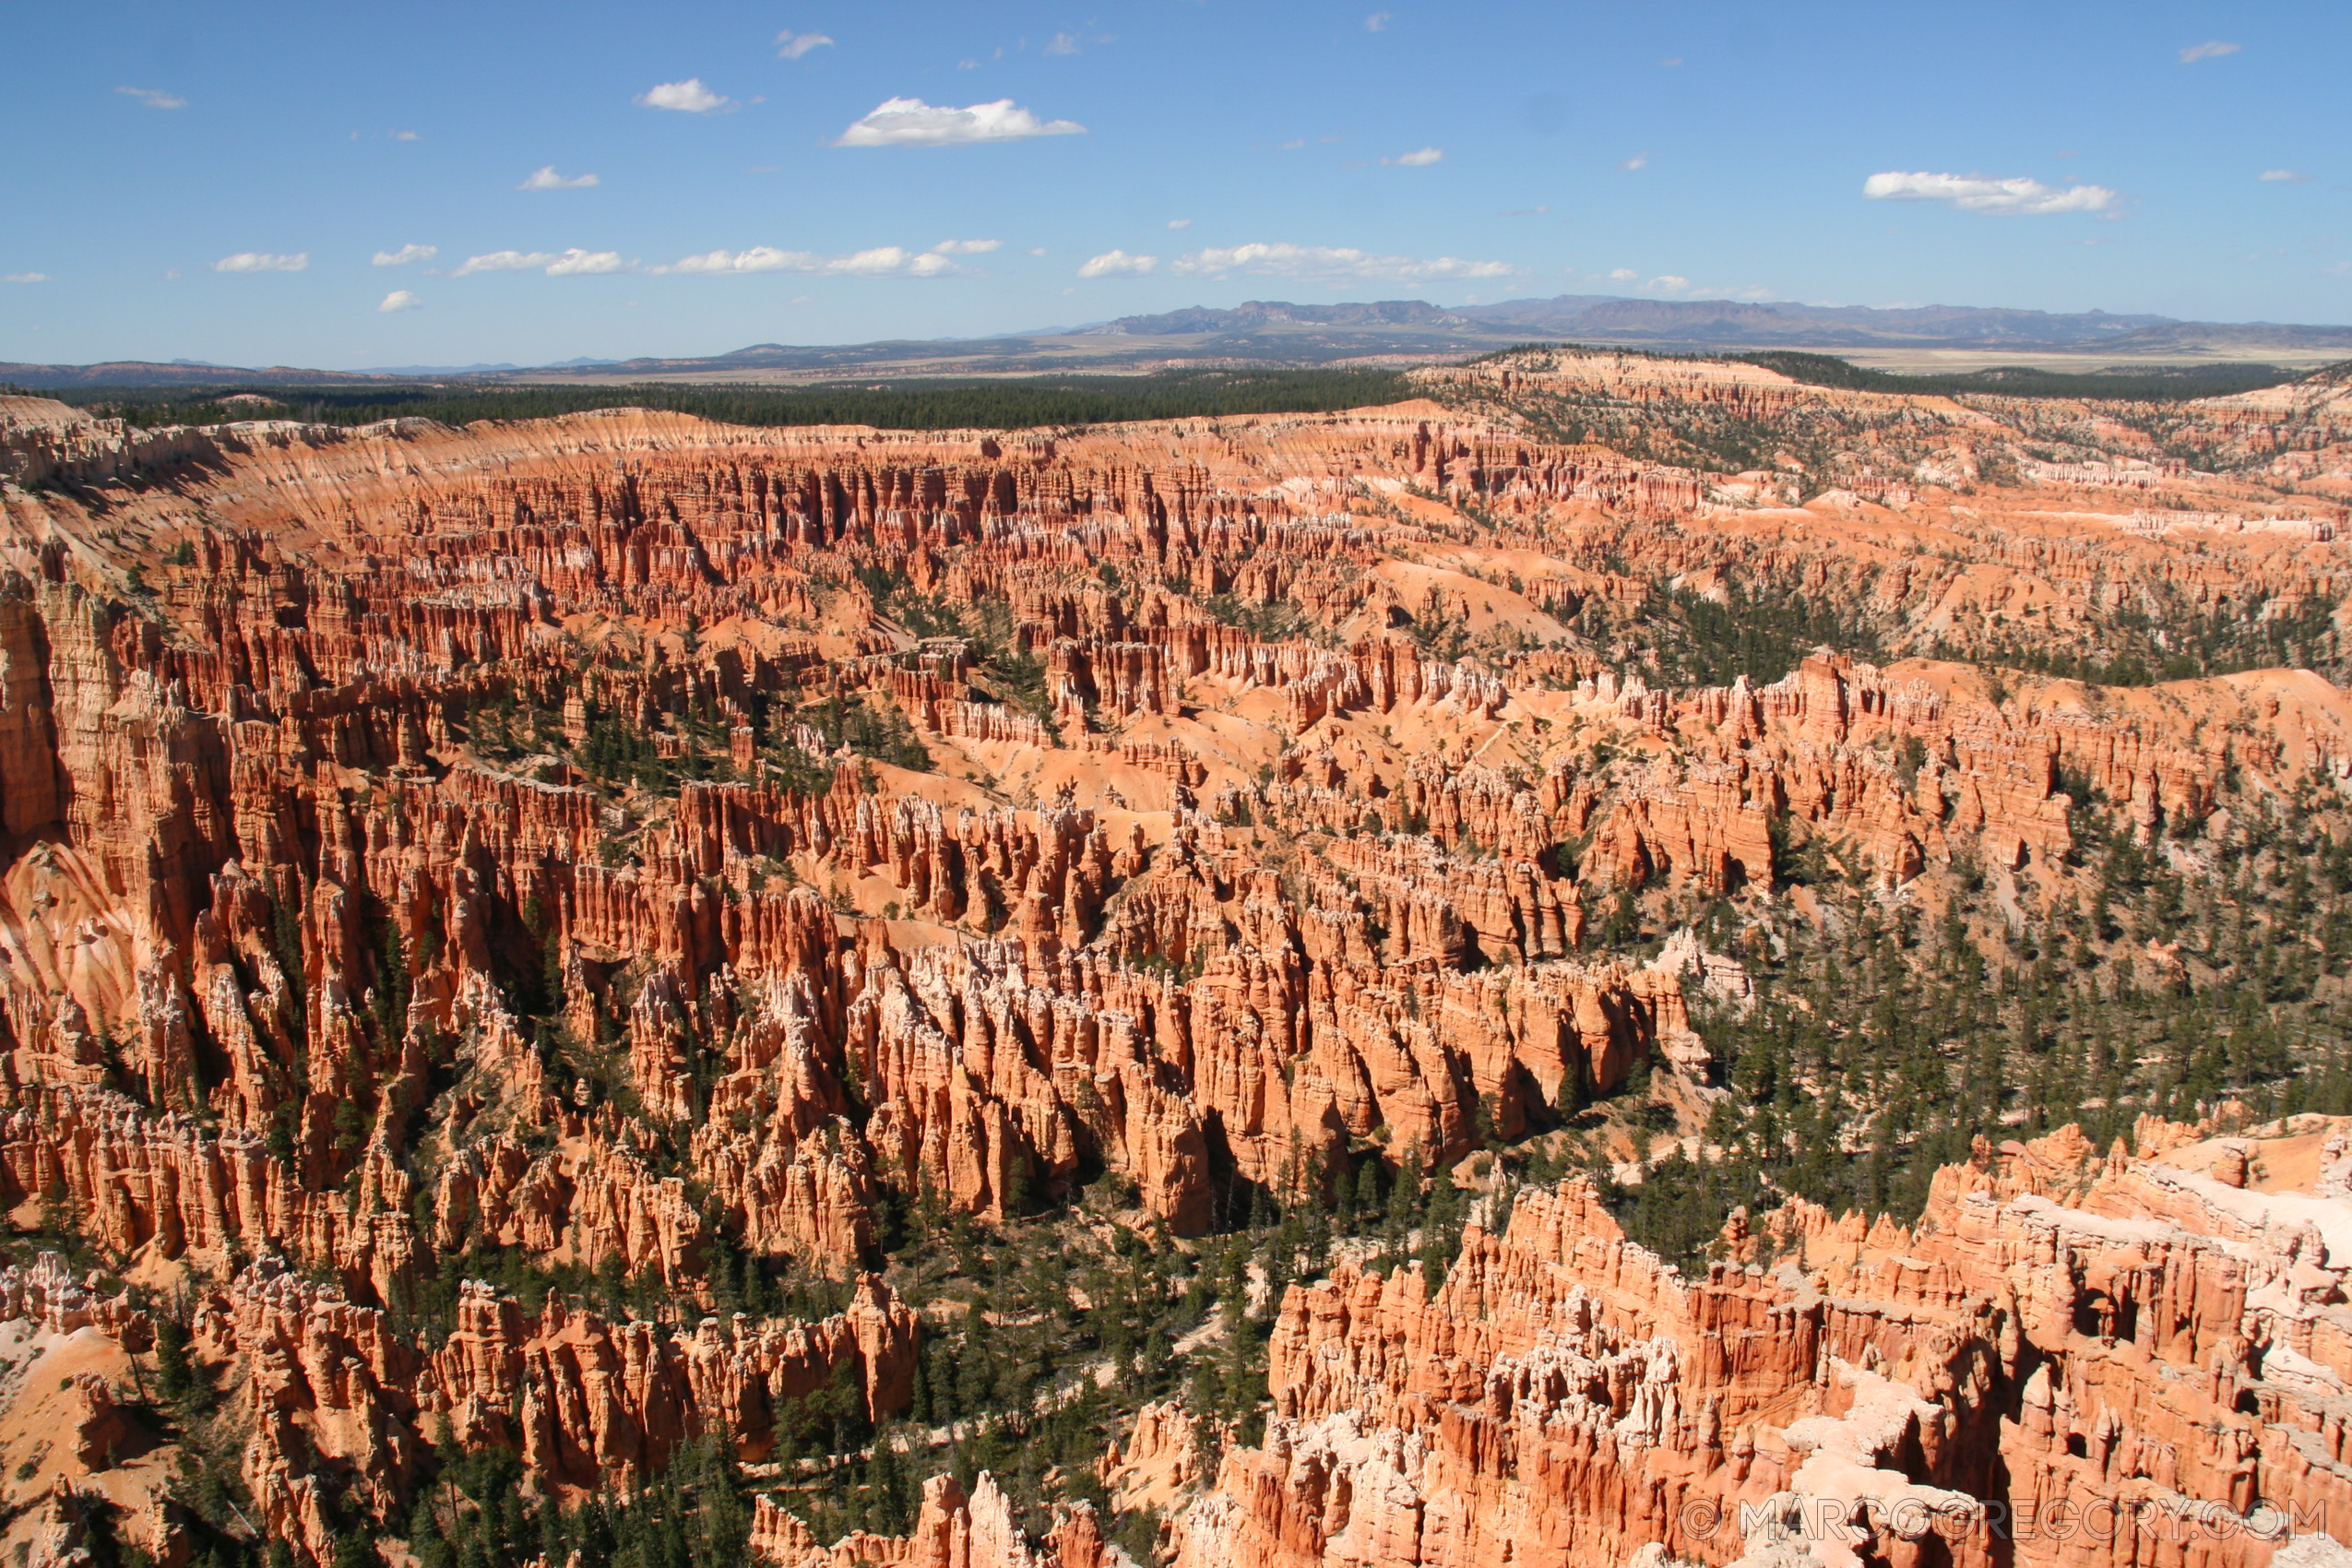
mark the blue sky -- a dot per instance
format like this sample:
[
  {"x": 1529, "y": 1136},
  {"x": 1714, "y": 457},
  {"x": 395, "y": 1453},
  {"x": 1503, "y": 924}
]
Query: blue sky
[{"x": 239, "y": 183}]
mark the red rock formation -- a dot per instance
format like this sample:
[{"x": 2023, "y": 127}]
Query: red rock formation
[
  {"x": 954, "y": 1531},
  {"x": 463, "y": 843},
  {"x": 2060, "y": 1336},
  {"x": 335, "y": 1391}
]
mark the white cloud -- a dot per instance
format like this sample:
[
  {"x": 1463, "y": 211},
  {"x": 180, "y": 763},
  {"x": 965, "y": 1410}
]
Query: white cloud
[
  {"x": 790, "y": 45},
  {"x": 880, "y": 261},
  {"x": 1062, "y": 43},
  {"x": 1639, "y": 161},
  {"x": 1180, "y": 223},
  {"x": 154, "y": 97},
  {"x": 397, "y": 301},
  {"x": 689, "y": 95},
  {"x": 909, "y": 121},
  {"x": 25, "y": 278},
  {"x": 759, "y": 258},
  {"x": 547, "y": 179},
  {"x": 2212, "y": 48},
  {"x": 404, "y": 136},
  {"x": 1970, "y": 192},
  {"x": 406, "y": 254},
  {"x": 883, "y": 261},
  {"x": 262, "y": 261},
  {"x": 1118, "y": 264},
  {"x": 1622, "y": 275},
  {"x": 1668, "y": 283},
  {"x": 576, "y": 263},
  {"x": 1419, "y": 159},
  {"x": 1335, "y": 264},
  {"x": 2284, "y": 177},
  {"x": 1378, "y": 21},
  {"x": 504, "y": 261},
  {"x": 572, "y": 263}
]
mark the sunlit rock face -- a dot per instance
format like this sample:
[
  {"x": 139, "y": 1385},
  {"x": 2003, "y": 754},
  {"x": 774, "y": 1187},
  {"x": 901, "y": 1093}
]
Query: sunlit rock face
[{"x": 643, "y": 850}]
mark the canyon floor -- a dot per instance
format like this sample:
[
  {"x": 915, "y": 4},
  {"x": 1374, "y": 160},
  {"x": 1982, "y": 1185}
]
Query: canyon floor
[{"x": 1624, "y": 962}]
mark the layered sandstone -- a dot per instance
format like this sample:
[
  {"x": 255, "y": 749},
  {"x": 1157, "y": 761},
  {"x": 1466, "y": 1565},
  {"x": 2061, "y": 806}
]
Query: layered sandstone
[
  {"x": 2073, "y": 1358},
  {"x": 458, "y": 842}
]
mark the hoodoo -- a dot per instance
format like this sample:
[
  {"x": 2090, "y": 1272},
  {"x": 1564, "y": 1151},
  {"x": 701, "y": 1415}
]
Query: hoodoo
[{"x": 1625, "y": 961}]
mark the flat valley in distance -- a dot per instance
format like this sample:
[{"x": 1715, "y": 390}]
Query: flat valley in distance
[{"x": 1395, "y": 334}]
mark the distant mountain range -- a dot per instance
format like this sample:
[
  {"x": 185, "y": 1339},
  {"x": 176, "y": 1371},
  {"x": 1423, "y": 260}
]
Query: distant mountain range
[
  {"x": 1729, "y": 322},
  {"x": 1722, "y": 324},
  {"x": 1275, "y": 332}
]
